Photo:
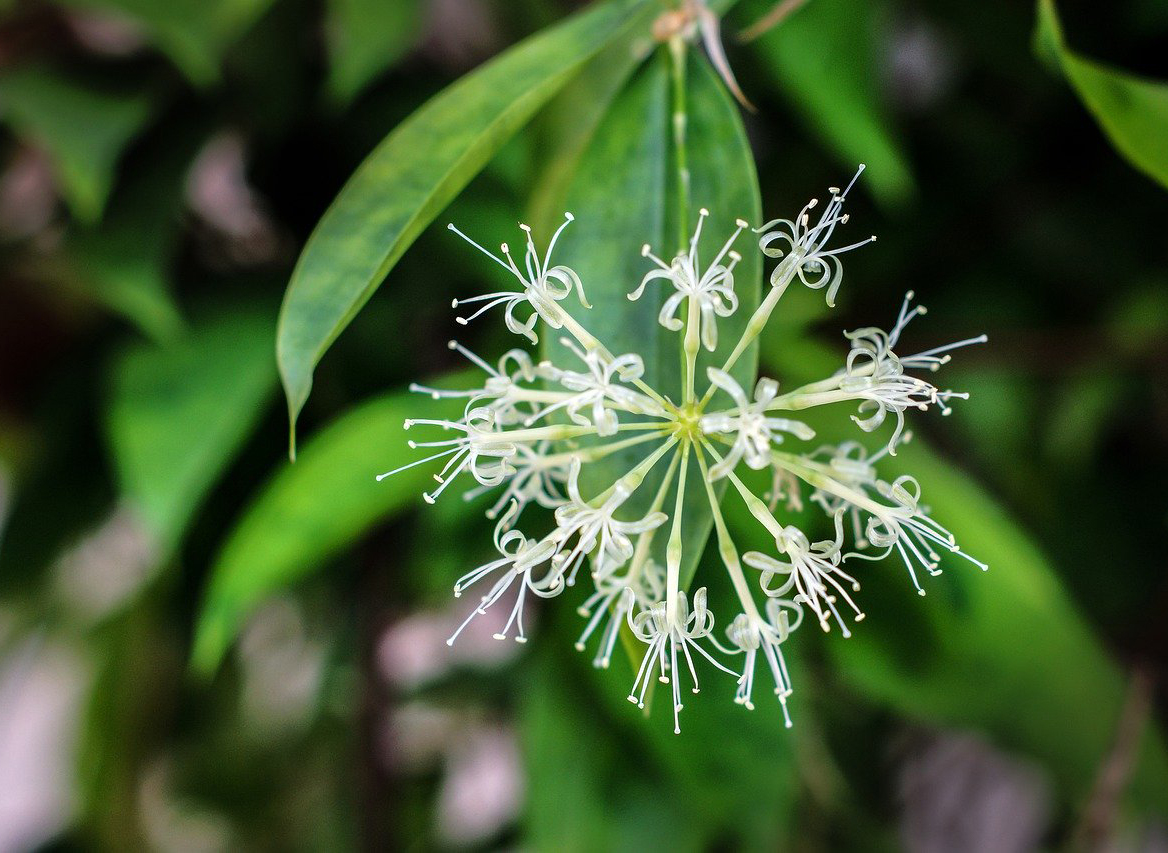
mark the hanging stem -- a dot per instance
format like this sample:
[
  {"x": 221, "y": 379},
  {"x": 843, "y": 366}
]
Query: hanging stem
[
  {"x": 677, "y": 55},
  {"x": 754, "y": 326},
  {"x": 726, "y": 547},
  {"x": 645, "y": 540},
  {"x": 673, "y": 547}
]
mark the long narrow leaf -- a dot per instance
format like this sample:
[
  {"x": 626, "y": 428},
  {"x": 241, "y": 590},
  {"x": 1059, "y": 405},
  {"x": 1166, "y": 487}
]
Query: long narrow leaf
[{"x": 414, "y": 173}]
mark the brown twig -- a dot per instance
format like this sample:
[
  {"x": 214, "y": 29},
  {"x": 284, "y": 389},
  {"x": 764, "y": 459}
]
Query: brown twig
[
  {"x": 782, "y": 10},
  {"x": 1098, "y": 820}
]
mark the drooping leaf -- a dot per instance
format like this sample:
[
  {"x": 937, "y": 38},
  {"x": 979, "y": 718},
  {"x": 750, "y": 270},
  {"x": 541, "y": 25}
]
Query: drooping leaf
[
  {"x": 1131, "y": 110},
  {"x": 1003, "y": 651},
  {"x": 310, "y": 510},
  {"x": 823, "y": 58},
  {"x": 414, "y": 173},
  {"x": 83, "y": 129},
  {"x": 124, "y": 262},
  {"x": 365, "y": 37},
  {"x": 178, "y": 413},
  {"x": 193, "y": 33}
]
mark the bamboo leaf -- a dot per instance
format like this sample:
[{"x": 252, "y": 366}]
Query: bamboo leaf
[
  {"x": 84, "y": 130},
  {"x": 823, "y": 59},
  {"x": 623, "y": 197},
  {"x": 414, "y": 173},
  {"x": 365, "y": 37},
  {"x": 309, "y": 511},
  {"x": 177, "y": 414},
  {"x": 1131, "y": 110}
]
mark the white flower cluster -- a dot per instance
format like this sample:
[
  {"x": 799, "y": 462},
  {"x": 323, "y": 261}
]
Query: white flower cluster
[{"x": 532, "y": 428}]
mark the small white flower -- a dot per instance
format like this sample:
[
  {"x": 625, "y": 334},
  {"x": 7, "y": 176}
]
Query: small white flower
[
  {"x": 520, "y": 560},
  {"x": 752, "y": 634},
  {"x": 906, "y": 527},
  {"x": 609, "y": 605},
  {"x": 666, "y": 631},
  {"x": 543, "y": 286},
  {"x": 813, "y": 571},
  {"x": 875, "y": 375},
  {"x": 753, "y": 430},
  {"x": 601, "y": 390},
  {"x": 806, "y": 254},
  {"x": 482, "y": 449},
  {"x": 500, "y": 386},
  {"x": 712, "y": 291},
  {"x": 596, "y": 528},
  {"x": 535, "y": 479}
]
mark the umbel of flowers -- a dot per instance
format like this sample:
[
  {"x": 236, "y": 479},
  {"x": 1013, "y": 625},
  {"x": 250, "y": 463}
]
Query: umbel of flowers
[{"x": 520, "y": 438}]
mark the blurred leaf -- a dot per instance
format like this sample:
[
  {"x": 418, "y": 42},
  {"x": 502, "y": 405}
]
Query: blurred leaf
[
  {"x": 124, "y": 261},
  {"x": 312, "y": 509},
  {"x": 1079, "y": 415},
  {"x": 608, "y": 797},
  {"x": 193, "y": 33},
  {"x": 413, "y": 174},
  {"x": 1133, "y": 111},
  {"x": 623, "y": 197},
  {"x": 1004, "y": 651},
  {"x": 365, "y": 37},
  {"x": 84, "y": 130},
  {"x": 137, "y": 674},
  {"x": 177, "y": 414},
  {"x": 823, "y": 58}
]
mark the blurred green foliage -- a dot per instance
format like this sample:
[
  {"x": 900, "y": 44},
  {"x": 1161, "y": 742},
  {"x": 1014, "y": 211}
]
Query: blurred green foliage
[{"x": 166, "y": 163}]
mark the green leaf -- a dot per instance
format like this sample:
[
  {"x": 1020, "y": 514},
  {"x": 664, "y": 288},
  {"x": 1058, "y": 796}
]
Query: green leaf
[
  {"x": 193, "y": 33},
  {"x": 600, "y": 800},
  {"x": 1131, "y": 110},
  {"x": 623, "y": 197},
  {"x": 312, "y": 509},
  {"x": 365, "y": 37},
  {"x": 568, "y": 124},
  {"x": 123, "y": 263},
  {"x": 84, "y": 130},
  {"x": 414, "y": 173},
  {"x": 823, "y": 58},
  {"x": 1003, "y": 651},
  {"x": 177, "y": 414}
]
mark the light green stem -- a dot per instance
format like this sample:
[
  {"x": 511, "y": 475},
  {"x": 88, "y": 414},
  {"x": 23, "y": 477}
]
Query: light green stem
[
  {"x": 754, "y": 328},
  {"x": 754, "y": 504},
  {"x": 645, "y": 540},
  {"x": 558, "y": 432},
  {"x": 677, "y": 56},
  {"x": 726, "y": 547},
  {"x": 673, "y": 548},
  {"x": 690, "y": 345},
  {"x": 591, "y": 454},
  {"x": 632, "y": 480}
]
